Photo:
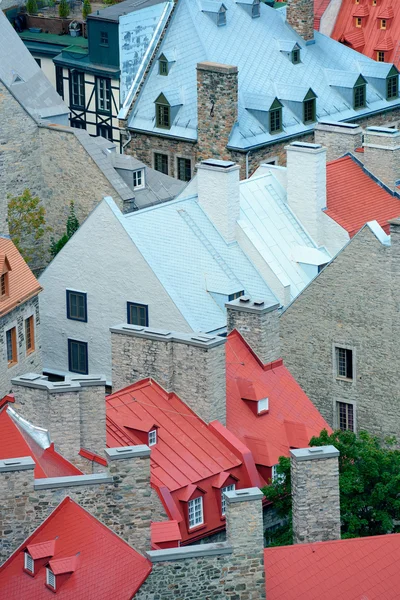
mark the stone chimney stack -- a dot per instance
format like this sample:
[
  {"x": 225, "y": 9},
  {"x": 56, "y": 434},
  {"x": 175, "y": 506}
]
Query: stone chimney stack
[
  {"x": 92, "y": 403},
  {"x": 300, "y": 16},
  {"x": 217, "y": 108},
  {"x": 382, "y": 154},
  {"x": 258, "y": 324},
  {"x": 315, "y": 494},
  {"x": 306, "y": 185},
  {"x": 338, "y": 138},
  {"x": 219, "y": 194},
  {"x": 191, "y": 365}
]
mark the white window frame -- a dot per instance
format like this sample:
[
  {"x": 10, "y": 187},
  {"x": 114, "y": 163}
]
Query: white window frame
[
  {"x": 139, "y": 176},
  {"x": 227, "y": 488},
  {"x": 195, "y": 512},
  {"x": 50, "y": 578},
  {"x": 29, "y": 563},
  {"x": 153, "y": 437},
  {"x": 262, "y": 405},
  {"x": 103, "y": 94}
]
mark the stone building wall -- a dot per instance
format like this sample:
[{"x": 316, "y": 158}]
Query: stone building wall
[
  {"x": 26, "y": 362},
  {"x": 350, "y": 304},
  {"x": 300, "y": 16}
]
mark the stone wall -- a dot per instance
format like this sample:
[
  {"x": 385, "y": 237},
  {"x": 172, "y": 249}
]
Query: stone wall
[
  {"x": 26, "y": 362},
  {"x": 144, "y": 146},
  {"x": 338, "y": 139},
  {"x": 351, "y": 304},
  {"x": 300, "y": 16},
  {"x": 315, "y": 494}
]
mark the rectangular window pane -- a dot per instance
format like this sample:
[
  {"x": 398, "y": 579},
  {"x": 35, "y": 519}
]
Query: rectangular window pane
[
  {"x": 137, "y": 179},
  {"x": 344, "y": 363},
  {"x": 345, "y": 416},
  {"x": 29, "y": 334},
  {"x": 227, "y": 488},
  {"x": 184, "y": 169},
  {"x": 103, "y": 94},
  {"x": 11, "y": 343},
  {"x": 161, "y": 163},
  {"x": 138, "y": 314},
  {"x": 359, "y": 96},
  {"x": 196, "y": 512},
  {"x": 309, "y": 112},
  {"x": 78, "y": 89},
  {"x": 76, "y": 306},
  {"x": 78, "y": 357},
  {"x": 275, "y": 120}
]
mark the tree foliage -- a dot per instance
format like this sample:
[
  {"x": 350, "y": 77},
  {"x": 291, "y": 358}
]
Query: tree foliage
[
  {"x": 31, "y": 7},
  {"x": 71, "y": 226},
  {"x": 369, "y": 479},
  {"x": 27, "y": 224},
  {"x": 86, "y": 8},
  {"x": 63, "y": 9}
]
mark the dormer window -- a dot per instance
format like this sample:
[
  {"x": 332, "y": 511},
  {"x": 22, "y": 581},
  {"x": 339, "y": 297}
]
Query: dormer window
[
  {"x": 4, "y": 285},
  {"x": 358, "y": 22},
  {"x": 275, "y": 117},
  {"x": 228, "y": 488},
  {"x": 138, "y": 179},
  {"x": 29, "y": 563},
  {"x": 383, "y": 23},
  {"x": 153, "y": 437},
  {"x": 309, "y": 108},
  {"x": 262, "y": 406},
  {"x": 296, "y": 56},
  {"x": 221, "y": 18},
  {"x": 360, "y": 93},
  {"x": 255, "y": 9},
  {"x": 163, "y": 115},
  {"x": 163, "y": 67},
  {"x": 50, "y": 579},
  {"x": 392, "y": 84}
]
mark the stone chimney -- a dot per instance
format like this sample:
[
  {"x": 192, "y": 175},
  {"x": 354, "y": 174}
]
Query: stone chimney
[
  {"x": 338, "y": 138},
  {"x": 300, "y": 16},
  {"x": 219, "y": 194},
  {"x": 315, "y": 494},
  {"x": 92, "y": 412},
  {"x": 306, "y": 185},
  {"x": 258, "y": 324},
  {"x": 191, "y": 365},
  {"x": 217, "y": 108},
  {"x": 382, "y": 154}
]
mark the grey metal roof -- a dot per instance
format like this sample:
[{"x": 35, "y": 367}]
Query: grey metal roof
[
  {"x": 22, "y": 76},
  {"x": 258, "y": 47},
  {"x": 113, "y": 13}
]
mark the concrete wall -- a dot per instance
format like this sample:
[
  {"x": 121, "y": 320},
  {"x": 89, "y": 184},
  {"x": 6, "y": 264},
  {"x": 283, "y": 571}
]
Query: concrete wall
[
  {"x": 26, "y": 362},
  {"x": 110, "y": 279}
]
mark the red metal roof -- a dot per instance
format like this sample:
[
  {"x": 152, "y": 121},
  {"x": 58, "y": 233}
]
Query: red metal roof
[
  {"x": 320, "y": 7},
  {"x": 355, "y": 569},
  {"x": 107, "y": 567},
  {"x": 7, "y": 399},
  {"x": 42, "y": 549},
  {"x": 15, "y": 443},
  {"x": 354, "y": 198},
  {"x": 375, "y": 38},
  {"x": 291, "y": 420},
  {"x": 165, "y": 531}
]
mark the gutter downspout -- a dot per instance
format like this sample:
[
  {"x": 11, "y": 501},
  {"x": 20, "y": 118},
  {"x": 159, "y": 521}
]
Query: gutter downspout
[{"x": 127, "y": 141}]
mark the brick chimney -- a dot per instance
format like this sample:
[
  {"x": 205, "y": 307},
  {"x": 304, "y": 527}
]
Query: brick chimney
[
  {"x": 258, "y": 324},
  {"x": 219, "y": 194},
  {"x": 315, "y": 494},
  {"x": 217, "y": 108},
  {"x": 338, "y": 138},
  {"x": 382, "y": 154},
  {"x": 300, "y": 16},
  {"x": 306, "y": 185},
  {"x": 191, "y": 365}
]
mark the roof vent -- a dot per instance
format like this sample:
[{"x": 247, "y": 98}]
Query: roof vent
[
  {"x": 315, "y": 450},
  {"x": 244, "y": 299},
  {"x": 259, "y": 302}
]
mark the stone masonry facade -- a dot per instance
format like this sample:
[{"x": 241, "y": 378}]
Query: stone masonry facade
[
  {"x": 352, "y": 304},
  {"x": 26, "y": 361},
  {"x": 300, "y": 16}
]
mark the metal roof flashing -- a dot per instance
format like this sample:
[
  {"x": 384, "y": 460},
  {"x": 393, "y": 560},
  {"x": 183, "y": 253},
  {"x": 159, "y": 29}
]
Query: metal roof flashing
[
  {"x": 244, "y": 495},
  {"x": 314, "y": 453},
  {"x": 245, "y": 304},
  {"x": 32, "y": 380},
  {"x": 126, "y": 452},
  {"x": 17, "y": 464},
  {"x": 305, "y": 147},
  {"x": 184, "y": 552},
  {"x": 201, "y": 340}
]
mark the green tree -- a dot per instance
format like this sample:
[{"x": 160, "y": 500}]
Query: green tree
[
  {"x": 71, "y": 226},
  {"x": 31, "y": 7},
  {"x": 86, "y": 8},
  {"x": 63, "y": 9},
  {"x": 27, "y": 224},
  {"x": 369, "y": 478}
]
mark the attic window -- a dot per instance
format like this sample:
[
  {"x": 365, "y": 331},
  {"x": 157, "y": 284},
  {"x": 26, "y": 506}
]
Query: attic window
[
  {"x": 358, "y": 21},
  {"x": 29, "y": 563},
  {"x": 138, "y": 179},
  {"x": 383, "y": 23},
  {"x": 392, "y": 84},
  {"x": 255, "y": 9},
  {"x": 163, "y": 67},
  {"x": 4, "y": 285},
  {"x": 275, "y": 117},
  {"x": 221, "y": 17},
  {"x": 228, "y": 488},
  {"x": 163, "y": 112},
  {"x": 360, "y": 93},
  {"x": 262, "y": 405},
  {"x": 296, "y": 56},
  {"x": 153, "y": 437},
  {"x": 50, "y": 579},
  {"x": 309, "y": 108}
]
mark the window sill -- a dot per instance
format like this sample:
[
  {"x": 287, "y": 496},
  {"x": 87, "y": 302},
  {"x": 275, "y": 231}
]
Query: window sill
[
  {"x": 12, "y": 364},
  {"x": 31, "y": 351},
  {"x": 197, "y": 528},
  {"x": 345, "y": 379}
]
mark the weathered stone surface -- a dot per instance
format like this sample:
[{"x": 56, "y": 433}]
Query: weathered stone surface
[{"x": 300, "y": 16}]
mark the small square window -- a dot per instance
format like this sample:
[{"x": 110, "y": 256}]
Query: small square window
[
  {"x": 380, "y": 56},
  {"x": 11, "y": 343},
  {"x": 383, "y": 23},
  {"x": 227, "y": 488},
  {"x": 184, "y": 169},
  {"x": 103, "y": 38},
  {"x": 163, "y": 67},
  {"x": 262, "y": 405},
  {"x": 358, "y": 22},
  {"x": 153, "y": 437},
  {"x": 296, "y": 56},
  {"x": 344, "y": 363},
  {"x": 161, "y": 163},
  {"x": 138, "y": 179},
  {"x": 195, "y": 509},
  {"x": 105, "y": 131},
  {"x": 29, "y": 334},
  {"x": 29, "y": 563},
  {"x": 76, "y": 306},
  {"x": 138, "y": 314},
  {"x": 78, "y": 357},
  {"x": 345, "y": 416},
  {"x": 50, "y": 579}
]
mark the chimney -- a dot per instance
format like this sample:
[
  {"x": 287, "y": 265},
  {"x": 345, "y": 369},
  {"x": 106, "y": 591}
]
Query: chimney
[
  {"x": 258, "y": 324},
  {"x": 217, "y": 108},
  {"x": 382, "y": 154},
  {"x": 219, "y": 194},
  {"x": 92, "y": 412},
  {"x": 300, "y": 16},
  {"x": 315, "y": 494},
  {"x": 191, "y": 365},
  {"x": 338, "y": 138},
  {"x": 306, "y": 185}
]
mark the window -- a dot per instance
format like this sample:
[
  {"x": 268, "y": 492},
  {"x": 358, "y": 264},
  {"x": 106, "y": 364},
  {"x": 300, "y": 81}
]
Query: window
[
  {"x": 104, "y": 131},
  {"x": 309, "y": 110},
  {"x": 78, "y": 123},
  {"x": 235, "y": 296},
  {"x": 161, "y": 163},
  {"x": 78, "y": 357},
  {"x": 345, "y": 416},
  {"x": 29, "y": 563},
  {"x": 60, "y": 81},
  {"x": 392, "y": 87},
  {"x": 184, "y": 169},
  {"x": 196, "y": 512},
  {"x": 275, "y": 476},
  {"x": 153, "y": 437},
  {"x": 163, "y": 116},
  {"x": 138, "y": 179},
  {"x": 275, "y": 117},
  {"x": 227, "y": 488},
  {"x": 373, "y": 2},
  {"x": 360, "y": 96},
  {"x": 383, "y": 23},
  {"x": 77, "y": 89},
  {"x": 296, "y": 56},
  {"x": 358, "y": 22},
  {"x": 103, "y": 94},
  {"x": 138, "y": 314},
  {"x": 221, "y": 18},
  {"x": 50, "y": 578},
  {"x": 103, "y": 38},
  {"x": 380, "y": 56},
  {"x": 11, "y": 342},
  {"x": 344, "y": 363},
  {"x": 39, "y": 62},
  {"x": 163, "y": 66},
  {"x": 29, "y": 335},
  {"x": 255, "y": 9},
  {"x": 76, "y": 306},
  {"x": 262, "y": 405},
  {"x": 4, "y": 285}
]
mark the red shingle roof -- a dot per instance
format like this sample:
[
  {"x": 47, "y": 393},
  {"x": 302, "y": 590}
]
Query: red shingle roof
[
  {"x": 355, "y": 569},
  {"x": 165, "y": 531},
  {"x": 320, "y": 7},
  {"x": 354, "y": 198},
  {"x": 106, "y": 566}
]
